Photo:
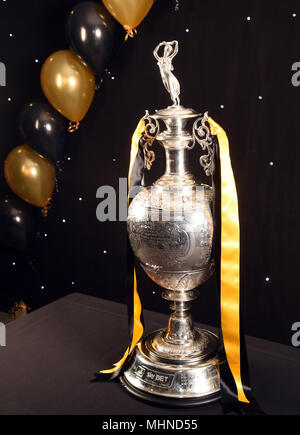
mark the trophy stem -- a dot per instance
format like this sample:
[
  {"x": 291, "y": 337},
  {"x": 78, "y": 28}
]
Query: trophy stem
[
  {"x": 180, "y": 339},
  {"x": 180, "y": 327}
]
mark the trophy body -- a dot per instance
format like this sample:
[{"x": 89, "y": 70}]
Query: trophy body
[{"x": 170, "y": 227}]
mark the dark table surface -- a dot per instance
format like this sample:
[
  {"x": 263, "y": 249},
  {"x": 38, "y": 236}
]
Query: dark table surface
[{"x": 51, "y": 355}]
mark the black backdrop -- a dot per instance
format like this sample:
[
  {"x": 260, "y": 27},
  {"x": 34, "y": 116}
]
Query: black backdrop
[{"x": 226, "y": 59}]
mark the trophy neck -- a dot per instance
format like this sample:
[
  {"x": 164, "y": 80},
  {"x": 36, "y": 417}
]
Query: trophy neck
[
  {"x": 176, "y": 172},
  {"x": 175, "y": 139},
  {"x": 176, "y": 161}
]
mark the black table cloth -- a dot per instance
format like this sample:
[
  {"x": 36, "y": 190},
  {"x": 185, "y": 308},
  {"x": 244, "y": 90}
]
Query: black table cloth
[{"x": 52, "y": 353}]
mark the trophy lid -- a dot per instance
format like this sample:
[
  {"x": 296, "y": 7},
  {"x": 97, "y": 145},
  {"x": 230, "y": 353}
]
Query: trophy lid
[{"x": 175, "y": 112}]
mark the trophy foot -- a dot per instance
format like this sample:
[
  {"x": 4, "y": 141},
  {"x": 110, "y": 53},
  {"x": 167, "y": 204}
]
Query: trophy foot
[{"x": 175, "y": 378}]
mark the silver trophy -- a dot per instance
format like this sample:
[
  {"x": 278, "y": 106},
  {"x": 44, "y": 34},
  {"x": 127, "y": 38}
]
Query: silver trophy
[{"x": 170, "y": 227}]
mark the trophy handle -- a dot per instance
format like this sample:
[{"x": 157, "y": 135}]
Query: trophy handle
[
  {"x": 202, "y": 135},
  {"x": 151, "y": 132}
]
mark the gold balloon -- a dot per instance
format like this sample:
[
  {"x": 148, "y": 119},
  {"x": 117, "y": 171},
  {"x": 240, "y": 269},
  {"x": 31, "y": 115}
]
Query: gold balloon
[
  {"x": 68, "y": 84},
  {"x": 130, "y": 13},
  {"x": 29, "y": 175}
]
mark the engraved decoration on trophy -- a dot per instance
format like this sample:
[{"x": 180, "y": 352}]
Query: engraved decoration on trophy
[{"x": 170, "y": 228}]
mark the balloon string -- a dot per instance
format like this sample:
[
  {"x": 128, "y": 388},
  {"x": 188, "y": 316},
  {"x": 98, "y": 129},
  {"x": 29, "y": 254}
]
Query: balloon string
[
  {"x": 47, "y": 207},
  {"x": 130, "y": 32},
  {"x": 73, "y": 126}
]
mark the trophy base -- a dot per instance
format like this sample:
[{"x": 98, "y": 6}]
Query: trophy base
[{"x": 171, "y": 380}]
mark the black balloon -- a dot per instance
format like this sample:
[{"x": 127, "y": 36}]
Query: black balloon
[
  {"x": 18, "y": 223},
  {"x": 94, "y": 35},
  {"x": 44, "y": 129}
]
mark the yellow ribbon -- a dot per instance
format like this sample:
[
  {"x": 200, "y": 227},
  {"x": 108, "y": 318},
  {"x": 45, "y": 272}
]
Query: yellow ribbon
[
  {"x": 138, "y": 328},
  {"x": 230, "y": 262}
]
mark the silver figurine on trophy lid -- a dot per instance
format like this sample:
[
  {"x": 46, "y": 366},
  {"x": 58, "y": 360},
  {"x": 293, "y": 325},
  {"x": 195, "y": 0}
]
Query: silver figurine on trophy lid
[{"x": 170, "y": 227}]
